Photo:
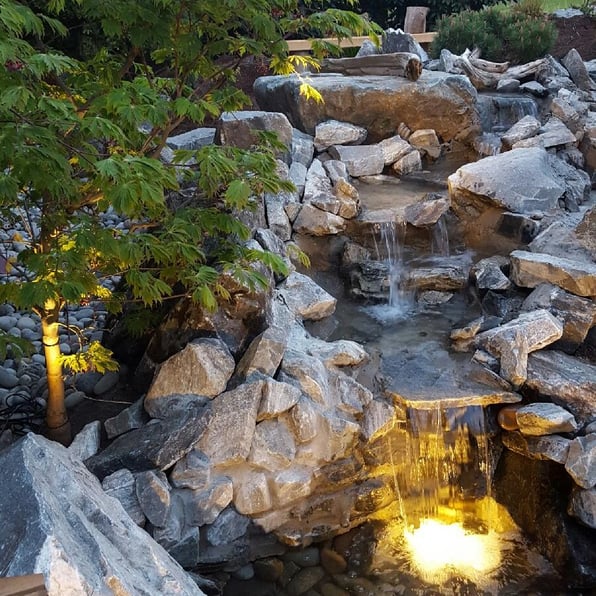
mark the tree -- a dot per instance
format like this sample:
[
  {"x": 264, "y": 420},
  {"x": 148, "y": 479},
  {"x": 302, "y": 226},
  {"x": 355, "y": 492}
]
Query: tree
[{"x": 80, "y": 138}]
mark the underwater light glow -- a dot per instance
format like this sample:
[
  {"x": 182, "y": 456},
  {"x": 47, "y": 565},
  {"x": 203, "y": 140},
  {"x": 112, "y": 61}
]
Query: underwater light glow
[{"x": 440, "y": 550}]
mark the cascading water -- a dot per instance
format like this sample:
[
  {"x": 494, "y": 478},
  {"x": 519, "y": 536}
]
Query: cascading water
[
  {"x": 440, "y": 238},
  {"x": 498, "y": 113}
]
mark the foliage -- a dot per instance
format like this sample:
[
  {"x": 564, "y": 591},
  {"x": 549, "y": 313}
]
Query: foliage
[
  {"x": 94, "y": 357},
  {"x": 500, "y": 34},
  {"x": 80, "y": 138},
  {"x": 15, "y": 347}
]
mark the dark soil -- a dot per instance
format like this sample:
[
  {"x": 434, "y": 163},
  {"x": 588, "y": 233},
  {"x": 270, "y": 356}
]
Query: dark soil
[{"x": 576, "y": 32}]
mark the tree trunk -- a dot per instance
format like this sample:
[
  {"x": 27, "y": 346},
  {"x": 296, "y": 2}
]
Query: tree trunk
[{"x": 58, "y": 426}]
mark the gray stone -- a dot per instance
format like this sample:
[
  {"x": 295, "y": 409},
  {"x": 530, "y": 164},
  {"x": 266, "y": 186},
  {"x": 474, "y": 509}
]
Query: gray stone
[
  {"x": 297, "y": 176},
  {"x": 578, "y": 314},
  {"x": 8, "y": 322},
  {"x": 428, "y": 211},
  {"x": 408, "y": 164},
  {"x": 395, "y": 40},
  {"x": 332, "y": 132},
  {"x": 202, "y": 368},
  {"x": 193, "y": 139},
  {"x": 309, "y": 374},
  {"x": 153, "y": 494},
  {"x": 86, "y": 442},
  {"x": 539, "y": 419},
  {"x": 264, "y": 353},
  {"x": 303, "y": 147},
  {"x": 8, "y": 378},
  {"x": 426, "y": 141},
  {"x": 552, "y": 447},
  {"x": 74, "y": 534},
  {"x": 342, "y": 352},
  {"x": 273, "y": 446},
  {"x": 581, "y": 461},
  {"x": 316, "y": 222},
  {"x": 203, "y": 506},
  {"x": 361, "y": 160},
  {"x": 239, "y": 129},
  {"x": 304, "y": 580},
  {"x": 520, "y": 180},
  {"x": 317, "y": 185},
  {"x": 186, "y": 550},
  {"x": 228, "y": 437},
  {"x": 513, "y": 342},
  {"x": 525, "y": 128},
  {"x": 507, "y": 85},
  {"x": 277, "y": 398},
  {"x": 394, "y": 148},
  {"x": 567, "y": 381},
  {"x": 132, "y": 417},
  {"x": 441, "y": 278},
  {"x": 488, "y": 273},
  {"x": 107, "y": 382},
  {"x": 578, "y": 72},
  {"x": 277, "y": 216},
  {"x": 582, "y": 505},
  {"x": 336, "y": 170},
  {"x": 292, "y": 484},
  {"x": 228, "y": 526},
  {"x": 156, "y": 446},
  {"x": 368, "y": 48},
  {"x": 305, "y": 298},
  {"x": 121, "y": 486},
  {"x": 192, "y": 471},
  {"x": 534, "y": 88},
  {"x": 379, "y": 418},
  {"x": 529, "y": 269},
  {"x": 552, "y": 134}
]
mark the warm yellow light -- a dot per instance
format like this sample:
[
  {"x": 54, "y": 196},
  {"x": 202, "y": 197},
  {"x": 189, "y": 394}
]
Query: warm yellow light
[{"x": 439, "y": 550}]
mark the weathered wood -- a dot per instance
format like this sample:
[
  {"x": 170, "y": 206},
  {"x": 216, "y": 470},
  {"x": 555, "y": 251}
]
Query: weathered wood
[
  {"x": 415, "y": 21},
  {"x": 487, "y": 66},
  {"x": 24, "y": 585},
  {"x": 305, "y": 45},
  {"x": 401, "y": 64}
]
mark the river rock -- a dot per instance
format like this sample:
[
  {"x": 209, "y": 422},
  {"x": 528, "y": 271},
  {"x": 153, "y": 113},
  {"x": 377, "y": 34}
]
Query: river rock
[
  {"x": 521, "y": 180},
  {"x": 332, "y": 132},
  {"x": 72, "y": 532},
  {"x": 529, "y": 269},
  {"x": 567, "y": 381},
  {"x": 513, "y": 342},
  {"x": 582, "y": 505},
  {"x": 202, "y": 368},
  {"x": 544, "y": 419},
  {"x": 305, "y": 298},
  {"x": 377, "y": 103},
  {"x": 361, "y": 160},
  {"x": 578, "y": 314},
  {"x": 581, "y": 461},
  {"x": 551, "y": 447}
]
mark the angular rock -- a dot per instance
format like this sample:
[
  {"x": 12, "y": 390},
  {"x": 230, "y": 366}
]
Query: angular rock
[
  {"x": 396, "y": 40},
  {"x": 251, "y": 493},
  {"x": 551, "y": 447},
  {"x": 578, "y": 72},
  {"x": 193, "y": 139},
  {"x": 316, "y": 222},
  {"x": 347, "y": 198},
  {"x": 428, "y": 211},
  {"x": 122, "y": 486},
  {"x": 529, "y": 269},
  {"x": 427, "y": 142},
  {"x": 132, "y": 417},
  {"x": 239, "y": 129},
  {"x": 552, "y": 134},
  {"x": 264, "y": 353},
  {"x": 192, "y": 471},
  {"x": 278, "y": 397},
  {"x": 443, "y": 102},
  {"x": 87, "y": 441},
  {"x": 342, "y": 352},
  {"x": 273, "y": 446},
  {"x": 513, "y": 342},
  {"x": 332, "y": 132},
  {"x": 488, "y": 273},
  {"x": 336, "y": 170},
  {"x": 317, "y": 185},
  {"x": 581, "y": 461},
  {"x": 227, "y": 527},
  {"x": 156, "y": 446},
  {"x": 309, "y": 374},
  {"x": 520, "y": 180},
  {"x": 203, "y": 506},
  {"x": 582, "y": 505},
  {"x": 411, "y": 162},
  {"x": 525, "y": 128},
  {"x": 567, "y": 381},
  {"x": 228, "y": 438},
  {"x": 444, "y": 278},
  {"x": 153, "y": 495},
  {"x": 578, "y": 314},
  {"x": 394, "y": 148},
  {"x": 305, "y": 298},
  {"x": 303, "y": 147},
  {"x": 540, "y": 419},
  {"x": 203, "y": 368},
  {"x": 361, "y": 160},
  {"x": 292, "y": 484},
  {"x": 72, "y": 532},
  {"x": 379, "y": 419}
]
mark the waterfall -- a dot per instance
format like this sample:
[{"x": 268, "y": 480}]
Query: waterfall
[
  {"x": 498, "y": 113},
  {"x": 440, "y": 238}
]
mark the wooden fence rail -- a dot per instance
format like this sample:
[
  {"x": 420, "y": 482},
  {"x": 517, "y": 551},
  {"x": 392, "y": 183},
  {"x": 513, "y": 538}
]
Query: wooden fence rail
[
  {"x": 305, "y": 45},
  {"x": 23, "y": 585}
]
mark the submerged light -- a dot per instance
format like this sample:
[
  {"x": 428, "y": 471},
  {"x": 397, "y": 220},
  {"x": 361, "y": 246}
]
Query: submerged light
[{"x": 439, "y": 550}]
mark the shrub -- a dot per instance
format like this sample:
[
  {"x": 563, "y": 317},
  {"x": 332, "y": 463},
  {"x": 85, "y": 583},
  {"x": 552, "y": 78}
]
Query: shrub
[{"x": 499, "y": 32}]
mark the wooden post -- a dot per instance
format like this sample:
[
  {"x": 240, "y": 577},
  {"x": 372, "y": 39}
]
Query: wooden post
[{"x": 415, "y": 21}]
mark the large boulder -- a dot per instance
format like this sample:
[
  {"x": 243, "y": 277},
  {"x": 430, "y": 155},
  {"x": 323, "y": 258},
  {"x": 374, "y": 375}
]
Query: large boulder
[
  {"x": 56, "y": 520},
  {"x": 441, "y": 101}
]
